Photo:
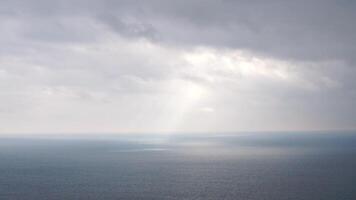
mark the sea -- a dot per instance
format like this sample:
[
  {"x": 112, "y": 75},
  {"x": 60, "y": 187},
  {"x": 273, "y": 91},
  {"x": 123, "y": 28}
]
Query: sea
[{"x": 246, "y": 166}]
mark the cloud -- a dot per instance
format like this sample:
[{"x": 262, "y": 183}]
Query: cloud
[
  {"x": 78, "y": 66},
  {"x": 308, "y": 30},
  {"x": 207, "y": 109}
]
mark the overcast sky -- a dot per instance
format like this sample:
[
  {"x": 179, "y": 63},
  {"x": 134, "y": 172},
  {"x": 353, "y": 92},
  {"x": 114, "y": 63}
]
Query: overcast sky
[{"x": 77, "y": 66}]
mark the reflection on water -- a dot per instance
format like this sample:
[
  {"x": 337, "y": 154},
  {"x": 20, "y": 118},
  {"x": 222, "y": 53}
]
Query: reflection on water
[
  {"x": 186, "y": 166},
  {"x": 139, "y": 150}
]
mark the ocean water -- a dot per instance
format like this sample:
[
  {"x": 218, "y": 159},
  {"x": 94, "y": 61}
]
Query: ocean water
[{"x": 255, "y": 166}]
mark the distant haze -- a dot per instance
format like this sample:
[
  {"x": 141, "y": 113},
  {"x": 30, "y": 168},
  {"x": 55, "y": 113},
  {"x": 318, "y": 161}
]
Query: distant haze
[{"x": 76, "y": 66}]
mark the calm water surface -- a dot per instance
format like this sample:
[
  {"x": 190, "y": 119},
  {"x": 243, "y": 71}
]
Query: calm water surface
[{"x": 305, "y": 166}]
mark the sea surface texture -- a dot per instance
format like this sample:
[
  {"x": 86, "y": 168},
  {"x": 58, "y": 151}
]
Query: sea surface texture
[{"x": 250, "y": 166}]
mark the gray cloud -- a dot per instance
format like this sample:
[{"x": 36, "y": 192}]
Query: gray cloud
[
  {"x": 289, "y": 29},
  {"x": 136, "y": 62}
]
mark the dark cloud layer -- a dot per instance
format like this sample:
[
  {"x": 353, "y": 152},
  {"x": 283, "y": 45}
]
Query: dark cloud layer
[{"x": 316, "y": 29}]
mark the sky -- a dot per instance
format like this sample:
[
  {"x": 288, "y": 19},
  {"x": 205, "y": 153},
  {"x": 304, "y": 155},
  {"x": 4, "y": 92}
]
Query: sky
[{"x": 80, "y": 66}]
